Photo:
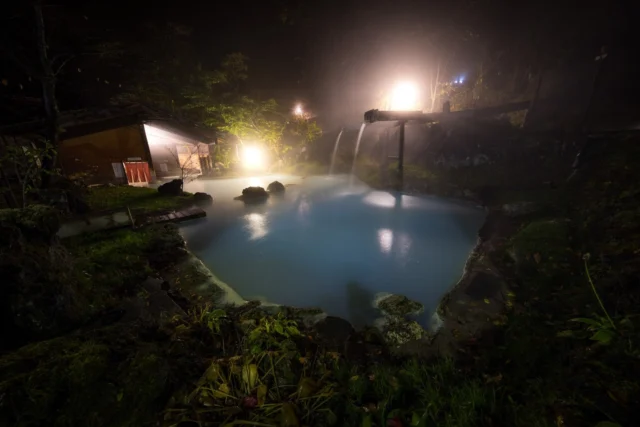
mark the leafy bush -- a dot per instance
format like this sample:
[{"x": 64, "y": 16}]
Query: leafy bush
[
  {"x": 38, "y": 294},
  {"x": 111, "y": 379}
]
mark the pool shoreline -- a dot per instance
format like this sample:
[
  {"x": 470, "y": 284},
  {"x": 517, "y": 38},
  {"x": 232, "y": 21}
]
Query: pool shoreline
[{"x": 457, "y": 317}]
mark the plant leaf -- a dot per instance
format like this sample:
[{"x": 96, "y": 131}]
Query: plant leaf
[
  {"x": 262, "y": 394},
  {"x": 586, "y": 321},
  {"x": 278, "y": 328},
  {"x": 603, "y": 336},
  {"x": 222, "y": 392},
  {"x": 293, "y": 331},
  {"x": 250, "y": 376},
  {"x": 289, "y": 417},
  {"x": 564, "y": 334},
  {"x": 415, "y": 419}
]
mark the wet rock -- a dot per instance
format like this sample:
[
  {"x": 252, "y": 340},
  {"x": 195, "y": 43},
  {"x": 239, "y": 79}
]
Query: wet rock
[
  {"x": 397, "y": 331},
  {"x": 399, "y": 305},
  {"x": 275, "y": 187},
  {"x": 171, "y": 188},
  {"x": 202, "y": 199},
  {"x": 253, "y": 195},
  {"x": 334, "y": 331},
  {"x": 519, "y": 209}
]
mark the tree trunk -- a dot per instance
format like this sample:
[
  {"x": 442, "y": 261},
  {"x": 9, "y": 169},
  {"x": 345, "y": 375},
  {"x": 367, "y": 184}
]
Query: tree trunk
[
  {"x": 49, "y": 101},
  {"x": 9, "y": 195}
]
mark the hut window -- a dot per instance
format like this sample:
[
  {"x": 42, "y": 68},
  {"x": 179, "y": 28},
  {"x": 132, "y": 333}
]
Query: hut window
[{"x": 118, "y": 170}]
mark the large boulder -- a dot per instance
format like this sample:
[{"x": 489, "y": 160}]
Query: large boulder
[
  {"x": 275, "y": 187},
  {"x": 397, "y": 331},
  {"x": 399, "y": 305},
  {"x": 202, "y": 199},
  {"x": 334, "y": 331},
  {"x": 254, "y": 195},
  {"x": 171, "y": 188}
]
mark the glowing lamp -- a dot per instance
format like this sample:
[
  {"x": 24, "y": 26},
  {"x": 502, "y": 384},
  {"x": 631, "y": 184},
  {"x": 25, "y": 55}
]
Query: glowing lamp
[
  {"x": 404, "y": 97},
  {"x": 253, "y": 157},
  {"x": 298, "y": 111}
]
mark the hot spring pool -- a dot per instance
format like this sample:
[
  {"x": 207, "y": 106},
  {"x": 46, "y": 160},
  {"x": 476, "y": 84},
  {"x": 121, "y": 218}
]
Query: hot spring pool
[{"x": 331, "y": 244}]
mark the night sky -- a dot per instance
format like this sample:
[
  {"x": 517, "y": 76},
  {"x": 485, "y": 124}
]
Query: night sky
[{"x": 338, "y": 56}]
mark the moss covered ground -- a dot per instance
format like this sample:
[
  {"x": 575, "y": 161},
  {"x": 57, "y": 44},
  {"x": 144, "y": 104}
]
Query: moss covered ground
[
  {"x": 138, "y": 199},
  {"x": 567, "y": 354}
]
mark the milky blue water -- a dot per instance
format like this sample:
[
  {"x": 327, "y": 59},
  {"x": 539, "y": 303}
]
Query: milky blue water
[{"x": 333, "y": 245}]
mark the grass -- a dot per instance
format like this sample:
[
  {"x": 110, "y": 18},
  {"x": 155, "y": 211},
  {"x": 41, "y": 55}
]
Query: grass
[
  {"x": 548, "y": 365},
  {"x": 139, "y": 199}
]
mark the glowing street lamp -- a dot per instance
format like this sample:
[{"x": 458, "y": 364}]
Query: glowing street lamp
[
  {"x": 404, "y": 97},
  {"x": 298, "y": 111},
  {"x": 253, "y": 157}
]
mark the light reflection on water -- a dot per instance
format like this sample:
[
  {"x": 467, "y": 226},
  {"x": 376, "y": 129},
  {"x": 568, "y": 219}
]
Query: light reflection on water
[
  {"x": 257, "y": 225},
  {"x": 332, "y": 245},
  {"x": 385, "y": 238}
]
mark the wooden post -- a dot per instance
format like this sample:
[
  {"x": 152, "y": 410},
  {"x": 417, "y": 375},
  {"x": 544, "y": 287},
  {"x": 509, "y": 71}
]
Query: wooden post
[{"x": 401, "y": 156}]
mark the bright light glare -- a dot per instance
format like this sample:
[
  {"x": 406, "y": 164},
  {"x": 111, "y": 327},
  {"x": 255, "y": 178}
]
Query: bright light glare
[
  {"x": 385, "y": 239},
  {"x": 252, "y": 157},
  {"x": 404, "y": 97},
  {"x": 298, "y": 111}
]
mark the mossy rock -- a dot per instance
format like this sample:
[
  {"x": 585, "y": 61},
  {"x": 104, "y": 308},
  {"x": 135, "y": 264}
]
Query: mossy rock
[
  {"x": 202, "y": 199},
  {"x": 253, "y": 195},
  {"x": 275, "y": 187},
  {"x": 398, "y": 331},
  {"x": 399, "y": 305}
]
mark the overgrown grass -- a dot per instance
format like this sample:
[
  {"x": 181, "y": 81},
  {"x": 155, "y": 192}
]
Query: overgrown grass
[
  {"x": 113, "y": 264},
  {"x": 139, "y": 199},
  {"x": 548, "y": 365},
  {"x": 275, "y": 375},
  {"x": 112, "y": 377}
]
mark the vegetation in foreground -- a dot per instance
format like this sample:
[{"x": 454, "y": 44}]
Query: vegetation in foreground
[
  {"x": 567, "y": 354},
  {"x": 138, "y": 199}
]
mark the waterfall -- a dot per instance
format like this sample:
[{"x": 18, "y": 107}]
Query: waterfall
[
  {"x": 335, "y": 151},
  {"x": 355, "y": 154}
]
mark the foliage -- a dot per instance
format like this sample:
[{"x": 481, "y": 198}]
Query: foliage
[
  {"x": 280, "y": 382},
  {"x": 112, "y": 378},
  {"x": 251, "y": 120},
  {"x": 138, "y": 199},
  {"x": 305, "y": 129},
  {"x": 25, "y": 163},
  {"x": 273, "y": 334},
  {"x": 39, "y": 294},
  {"x": 224, "y": 154}
]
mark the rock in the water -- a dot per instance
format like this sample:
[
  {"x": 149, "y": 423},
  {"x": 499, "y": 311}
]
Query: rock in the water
[
  {"x": 335, "y": 331},
  {"x": 275, "y": 187},
  {"x": 254, "y": 195},
  {"x": 398, "y": 331},
  {"x": 171, "y": 188},
  {"x": 202, "y": 199},
  {"x": 399, "y": 305}
]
